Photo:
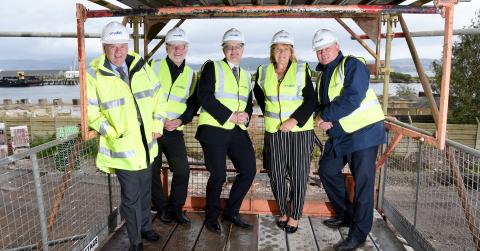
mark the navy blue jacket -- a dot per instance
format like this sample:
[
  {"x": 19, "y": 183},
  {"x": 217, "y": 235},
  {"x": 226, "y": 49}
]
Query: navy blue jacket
[{"x": 354, "y": 90}]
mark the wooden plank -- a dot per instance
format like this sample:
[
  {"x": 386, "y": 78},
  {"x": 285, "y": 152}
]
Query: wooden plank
[
  {"x": 383, "y": 237},
  {"x": 303, "y": 239},
  {"x": 368, "y": 245},
  {"x": 118, "y": 241},
  {"x": 164, "y": 230},
  {"x": 325, "y": 236},
  {"x": 184, "y": 236},
  {"x": 210, "y": 241},
  {"x": 244, "y": 239},
  {"x": 270, "y": 236}
]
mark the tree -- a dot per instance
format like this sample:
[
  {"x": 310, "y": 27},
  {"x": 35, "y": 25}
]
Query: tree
[
  {"x": 464, "y": 102},
  {"x": 404, "y": 90}
]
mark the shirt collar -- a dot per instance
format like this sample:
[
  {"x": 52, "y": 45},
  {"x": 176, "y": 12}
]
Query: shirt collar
[
  {"x": 114, "y": 68},
  {"x": 172, "y": 64},
  {"x": 231, "y": 65}
]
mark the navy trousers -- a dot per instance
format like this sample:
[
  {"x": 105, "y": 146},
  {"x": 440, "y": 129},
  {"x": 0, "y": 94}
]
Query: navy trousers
[
  {"x": 362, "y": 166},
  {"x": 173, "y": 146},
  {"x": 240, "y": 151}
]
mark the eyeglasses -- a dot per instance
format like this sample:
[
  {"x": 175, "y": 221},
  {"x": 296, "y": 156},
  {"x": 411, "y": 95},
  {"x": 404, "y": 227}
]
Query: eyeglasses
[
  {"x": 281, "y": 50},
  {"x": 233, "y": 47}
]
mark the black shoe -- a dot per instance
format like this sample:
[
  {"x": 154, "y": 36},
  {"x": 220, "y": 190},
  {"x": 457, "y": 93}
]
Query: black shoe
[
  {"x": 237, "y": 220},
  {"x": 291, "y": 229},
  {"x": 180, "y": 217},
  {"x": 138, "y": 247},
  {"x": 334, "y": 223},
  {"x": 150, "y": 235},
  {"x": 164, "y": 216},
  {"x": 213, "y": 226},
  {"x": 282, "y": 224},
  {"x": 348, "y": 244}
]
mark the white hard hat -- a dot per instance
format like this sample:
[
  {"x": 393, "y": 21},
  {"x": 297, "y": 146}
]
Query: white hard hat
[
  {"x": 115, "y": 33},
  {"x": 282, "y": 37},
  {"x": 233, "y": 35},
  {"x": 176, "y": 35},
  {"x": 322, "y": 39}
]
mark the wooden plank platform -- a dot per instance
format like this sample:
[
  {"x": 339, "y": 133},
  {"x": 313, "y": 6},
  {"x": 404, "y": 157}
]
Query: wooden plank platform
[{"x": 311, "y": 235}]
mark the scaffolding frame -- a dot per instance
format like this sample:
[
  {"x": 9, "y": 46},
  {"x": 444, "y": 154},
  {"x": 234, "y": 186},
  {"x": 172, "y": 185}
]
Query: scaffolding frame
[{"x": 368, "y": 17}]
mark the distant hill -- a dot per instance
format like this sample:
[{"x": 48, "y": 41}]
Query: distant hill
[{"x": 399, "y": 65}]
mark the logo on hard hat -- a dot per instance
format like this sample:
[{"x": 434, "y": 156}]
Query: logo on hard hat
[
  {"x": 319, "y": 40},
  {"x": 115, "y": 33}
]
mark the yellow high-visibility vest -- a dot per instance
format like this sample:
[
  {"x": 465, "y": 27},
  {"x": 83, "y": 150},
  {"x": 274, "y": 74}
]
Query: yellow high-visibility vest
[
  {"x": 281, "y": 100},
  {"x": 231, "y": 94},
  {"x": 178, "y": 92},
  {"x": 369, "y": 111},
  {"x": 112, "y": 113}
]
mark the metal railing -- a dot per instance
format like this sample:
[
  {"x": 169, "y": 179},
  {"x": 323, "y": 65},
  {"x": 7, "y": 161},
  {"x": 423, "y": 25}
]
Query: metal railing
[
  {"x": 431, "y": 196},
  {"x": 53, "y": 198}
]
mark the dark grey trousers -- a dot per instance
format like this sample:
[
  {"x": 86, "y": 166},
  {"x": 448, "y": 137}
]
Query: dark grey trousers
[{"x": 136, "y": 198}]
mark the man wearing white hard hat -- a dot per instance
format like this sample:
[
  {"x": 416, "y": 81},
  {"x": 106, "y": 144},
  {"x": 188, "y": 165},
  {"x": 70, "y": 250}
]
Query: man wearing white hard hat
[
  {"x": 351, "y": 115},
  {"x": 126, "y": 107},
  {"x": 179, "y": 85},
  {"x": 225, "y": 94},
  {"x": 285, "y": 94}
]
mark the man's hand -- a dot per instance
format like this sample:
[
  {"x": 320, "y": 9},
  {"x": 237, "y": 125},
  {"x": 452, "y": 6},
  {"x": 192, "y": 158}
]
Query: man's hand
[
  {"x": 239, "y": 118},
  {"x": 234, "y": 118},
  {"x": 156, "y": 135},
  {"x": 288, "y": 125},
  {"x": 171, "y": 125},
  {"x": 324, "y": 125},
  {"x": 242, "y": 118}
]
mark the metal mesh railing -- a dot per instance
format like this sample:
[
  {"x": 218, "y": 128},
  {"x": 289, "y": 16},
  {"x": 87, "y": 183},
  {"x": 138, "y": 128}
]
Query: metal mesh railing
[
  {"x": 52, "y": 196},
  {"x": 62, "y": 202},
  {"x": 50, "y": 204},
  {"x": 431, "y": 196}
]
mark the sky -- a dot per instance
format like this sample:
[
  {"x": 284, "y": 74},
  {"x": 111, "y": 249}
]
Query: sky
[{"x": 204, "y": 34}]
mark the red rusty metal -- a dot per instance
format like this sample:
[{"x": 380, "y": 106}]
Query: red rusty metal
[
  {"x": 389, "y": 150},
  {"x": 303, "y": 11},
  {"x": 370, "y": 26},
  {"x": 263, "y": 206},
  {"x": 446, "y": 69},
  {"x": 81, "y": 17},
  {"x": 361, "y": 42},
  {"x": 410, "y": 133}
]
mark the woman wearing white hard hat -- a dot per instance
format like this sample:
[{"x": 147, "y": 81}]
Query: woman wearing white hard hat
[
  {"x": 285, "y": 94},
  {"x": 352, "y": 117}
]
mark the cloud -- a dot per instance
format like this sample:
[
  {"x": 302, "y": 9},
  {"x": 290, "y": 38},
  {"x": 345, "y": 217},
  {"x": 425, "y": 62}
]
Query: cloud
[{"x": 205, "y": 34}]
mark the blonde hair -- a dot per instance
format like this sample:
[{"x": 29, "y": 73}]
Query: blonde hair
[{"x": 293, "y": 58}]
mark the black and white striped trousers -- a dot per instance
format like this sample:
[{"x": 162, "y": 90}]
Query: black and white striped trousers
[{"x": 287, "y": 157}]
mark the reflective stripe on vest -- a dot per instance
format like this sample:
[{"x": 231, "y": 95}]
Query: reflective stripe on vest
[
  {"x": 127, "y": 154},
  {"x": 92, "y": 101},
  {"x": 176, "y": 92},
  {"x": 113, "y": 103},
  {"x": 113, "y": 112},
  {"x": 367, "y": 113},
  {"x": 277, "y": 116},
  {"x": 282, "y": 99}
]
